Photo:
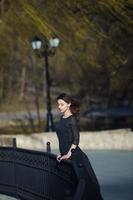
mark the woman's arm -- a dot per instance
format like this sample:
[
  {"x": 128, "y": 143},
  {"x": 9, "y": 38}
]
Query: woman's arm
[
  {"x": 75, "y": 143},
  {"x": 68, "y": 155}
]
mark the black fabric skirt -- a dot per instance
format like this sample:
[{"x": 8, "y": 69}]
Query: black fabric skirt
[{"x": 92, "y": 191}]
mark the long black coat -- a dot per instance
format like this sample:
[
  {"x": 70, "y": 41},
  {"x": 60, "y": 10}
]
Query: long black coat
[{"x": 68, "y": 134}]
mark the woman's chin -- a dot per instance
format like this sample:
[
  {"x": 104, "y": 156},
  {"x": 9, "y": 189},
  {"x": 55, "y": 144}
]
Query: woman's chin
[{"x": 61, "y": 111}]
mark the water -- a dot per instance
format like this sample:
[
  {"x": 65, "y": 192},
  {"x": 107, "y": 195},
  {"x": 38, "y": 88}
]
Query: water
[
  {"x": 4, "y": 197},
  {"x": 114, "y": 170}
]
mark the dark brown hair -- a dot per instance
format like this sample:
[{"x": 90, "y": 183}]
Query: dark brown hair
[{"x": 75, "y": 105}]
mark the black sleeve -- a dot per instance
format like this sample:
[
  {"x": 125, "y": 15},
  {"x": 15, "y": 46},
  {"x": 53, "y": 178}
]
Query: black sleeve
[{"x": 75, "y": 131}]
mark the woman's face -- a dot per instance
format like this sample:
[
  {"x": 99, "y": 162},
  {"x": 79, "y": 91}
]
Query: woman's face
[{"x": 63, "y": 106}]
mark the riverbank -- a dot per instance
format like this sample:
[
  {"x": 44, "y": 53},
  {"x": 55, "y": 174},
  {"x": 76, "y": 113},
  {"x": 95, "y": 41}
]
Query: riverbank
[{"x": 121, "y": 139}]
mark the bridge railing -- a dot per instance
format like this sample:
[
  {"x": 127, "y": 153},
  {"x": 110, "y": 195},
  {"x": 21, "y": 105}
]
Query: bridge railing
[{"x": 33, "y": 175}]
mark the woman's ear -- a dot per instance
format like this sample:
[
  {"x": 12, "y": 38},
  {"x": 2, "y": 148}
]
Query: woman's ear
[{"x": 69, "y": 104}]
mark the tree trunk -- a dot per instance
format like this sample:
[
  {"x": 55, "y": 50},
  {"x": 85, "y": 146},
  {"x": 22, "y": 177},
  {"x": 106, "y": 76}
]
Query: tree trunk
[{"x": 22, "y": 83}]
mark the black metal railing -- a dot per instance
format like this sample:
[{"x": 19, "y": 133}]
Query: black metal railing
[{"x": 33, "y": 175}]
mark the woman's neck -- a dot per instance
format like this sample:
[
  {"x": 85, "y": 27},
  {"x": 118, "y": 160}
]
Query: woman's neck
[{"x": 67, "y": 114}]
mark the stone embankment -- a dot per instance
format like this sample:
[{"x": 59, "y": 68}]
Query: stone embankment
[{"x": 103, "y": 140}]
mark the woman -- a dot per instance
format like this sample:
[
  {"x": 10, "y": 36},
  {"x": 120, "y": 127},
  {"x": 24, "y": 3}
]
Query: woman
[{"x": 68, "y": 136}]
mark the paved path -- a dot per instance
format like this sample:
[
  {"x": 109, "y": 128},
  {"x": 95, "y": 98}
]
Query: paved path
[{"x": 114, "y": 170}]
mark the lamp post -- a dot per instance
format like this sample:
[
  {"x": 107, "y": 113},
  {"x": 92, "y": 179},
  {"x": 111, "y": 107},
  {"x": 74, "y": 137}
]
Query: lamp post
[{"x": 48, "y": 48}]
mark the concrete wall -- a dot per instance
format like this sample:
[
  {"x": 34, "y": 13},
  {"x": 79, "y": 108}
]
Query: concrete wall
[{"x": 112, "y": 139}]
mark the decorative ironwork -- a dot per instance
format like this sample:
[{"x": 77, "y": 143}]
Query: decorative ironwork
[{"x": 33, "y": 175}]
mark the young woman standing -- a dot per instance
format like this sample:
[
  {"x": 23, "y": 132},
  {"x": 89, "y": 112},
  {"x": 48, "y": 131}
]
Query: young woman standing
[{"x": 68, "y": 136}]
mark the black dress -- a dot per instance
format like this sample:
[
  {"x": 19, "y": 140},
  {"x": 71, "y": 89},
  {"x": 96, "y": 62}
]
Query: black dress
[{"x": 68, "y": 134}]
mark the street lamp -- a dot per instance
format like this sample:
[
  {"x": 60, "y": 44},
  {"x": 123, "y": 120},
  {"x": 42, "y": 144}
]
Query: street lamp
[{"x": 49, "y": 47}]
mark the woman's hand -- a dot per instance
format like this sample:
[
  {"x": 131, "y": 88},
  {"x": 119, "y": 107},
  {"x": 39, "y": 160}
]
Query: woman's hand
[
  {"x": 66, "y": 156},
  {"x": 58, "y": 158}
]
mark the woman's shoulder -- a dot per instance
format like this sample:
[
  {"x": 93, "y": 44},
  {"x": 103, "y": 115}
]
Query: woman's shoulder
[{"x": 73, "y": 120}]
